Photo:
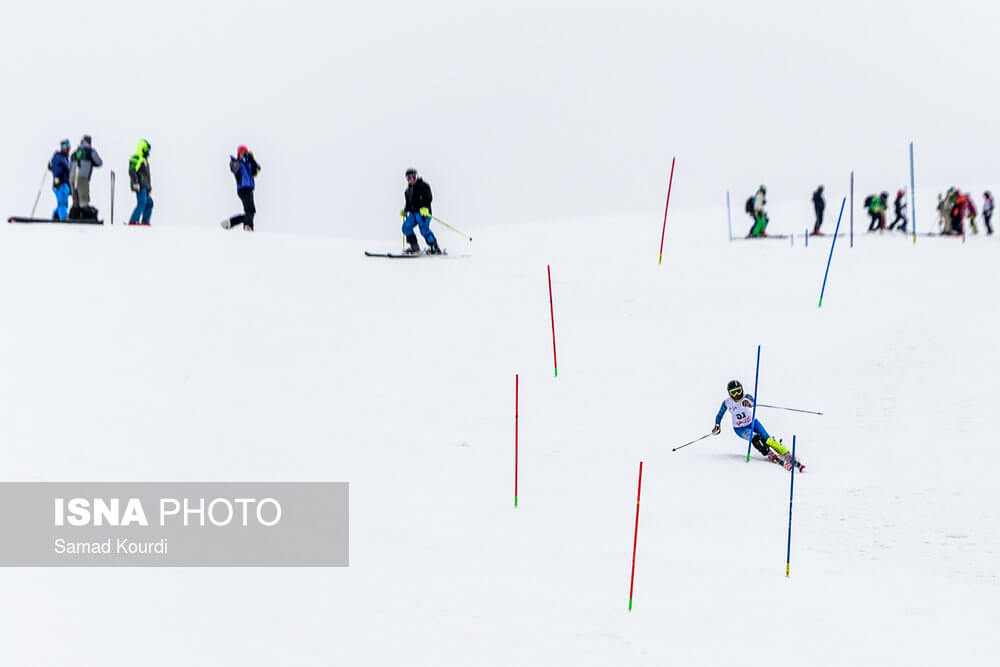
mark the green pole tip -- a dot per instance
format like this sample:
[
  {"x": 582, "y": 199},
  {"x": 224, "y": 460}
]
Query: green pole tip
[
  {"x": 515, "y": 501},
  {"x": 630, "y": 604}
]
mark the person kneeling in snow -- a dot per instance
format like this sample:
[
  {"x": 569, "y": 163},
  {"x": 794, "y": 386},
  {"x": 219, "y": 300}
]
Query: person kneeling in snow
[{"x": 740, "y": 406}]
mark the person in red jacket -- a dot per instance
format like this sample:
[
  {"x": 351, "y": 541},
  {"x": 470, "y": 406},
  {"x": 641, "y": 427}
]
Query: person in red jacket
[{"x": 970, "y": 211}]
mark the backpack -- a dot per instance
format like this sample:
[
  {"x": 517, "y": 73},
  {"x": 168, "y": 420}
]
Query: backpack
[
  {"x": 868, "y": 201},
  {"x": 749, "y": 207}
]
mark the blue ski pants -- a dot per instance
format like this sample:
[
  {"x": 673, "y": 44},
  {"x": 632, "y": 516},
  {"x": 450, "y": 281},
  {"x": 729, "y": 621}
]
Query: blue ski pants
[
  {"x": 414, "y": 220},
  {"x": 744, "y": 431},
  {"x": 62, "y": 201},
  {"x": 143, "y": 206}
]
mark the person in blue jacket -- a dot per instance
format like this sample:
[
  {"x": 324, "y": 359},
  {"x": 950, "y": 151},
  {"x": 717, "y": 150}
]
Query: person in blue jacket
[
  {"x": 59, "y": 166},
  {"x": 740, "y": 407},
  {"x": 245, "y": 169}
]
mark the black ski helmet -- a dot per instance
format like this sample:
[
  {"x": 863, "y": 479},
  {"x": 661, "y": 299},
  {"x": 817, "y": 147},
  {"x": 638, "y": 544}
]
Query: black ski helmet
[
  {"x": 410, "y": 172},
  {"x": 735, "y": 389}
]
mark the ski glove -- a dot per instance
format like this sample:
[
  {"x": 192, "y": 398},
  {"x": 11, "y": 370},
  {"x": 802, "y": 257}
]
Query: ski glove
[
  {"x": 716, "y": 430},
  {"x": 135, "y": 187},
  {"x": 56, "y": 181},
  {"x": 402, "y": 212},
  {"x": 426, "y": 212}
]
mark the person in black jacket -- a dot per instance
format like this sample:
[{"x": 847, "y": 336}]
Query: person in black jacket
[
  {"x": 417, "y": 213},
  {"x": 900, "y": 208},
  {"x": 820, "y": 205},
  {"x": 245, "y": 169}
]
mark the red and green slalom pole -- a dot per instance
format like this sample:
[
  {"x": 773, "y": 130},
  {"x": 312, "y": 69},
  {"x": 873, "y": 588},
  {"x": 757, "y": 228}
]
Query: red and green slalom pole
[
  {"x": 670, "y": 186},
  {"x": 552, "y": 313},
  {"x": 635, "y": 538},
  {"x": 516, "y": 417}
]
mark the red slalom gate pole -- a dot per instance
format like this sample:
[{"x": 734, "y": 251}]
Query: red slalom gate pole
[
  {"x": 516, "y": 397},
  {"x": 552, "y": 313},
  {"x": 670, "y": 186},
  {"x": 635, "y": 539}
]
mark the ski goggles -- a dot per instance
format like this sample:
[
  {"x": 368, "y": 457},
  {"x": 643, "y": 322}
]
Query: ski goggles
[{"x": 736, "y": 393}]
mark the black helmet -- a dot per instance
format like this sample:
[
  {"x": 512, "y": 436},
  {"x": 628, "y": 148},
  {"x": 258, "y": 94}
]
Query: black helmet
[
  {"x": 735, "y": 389},
  {"x": 410, "y": 172}
]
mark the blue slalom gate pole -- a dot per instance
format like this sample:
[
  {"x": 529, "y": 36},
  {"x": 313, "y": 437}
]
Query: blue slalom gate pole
[
  {"x": 913, "y": 197},
  {"x": 791, "y": 495},
  {"x": 729, "y": 217},
  {"x": 832, "y": 245},
  {"x": 753, "y": 417},
  {"x": 852, "y": 209}
]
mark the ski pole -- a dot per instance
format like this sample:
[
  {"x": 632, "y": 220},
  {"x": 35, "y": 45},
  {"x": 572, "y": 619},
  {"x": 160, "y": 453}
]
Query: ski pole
[
  {"x": 39, "y": 195},
  {"x": 437, "y": 219},
  {"x": 112, "y": 196},
  {"x": 692, "y": 442},
  {"x": 778, "y": 407}
]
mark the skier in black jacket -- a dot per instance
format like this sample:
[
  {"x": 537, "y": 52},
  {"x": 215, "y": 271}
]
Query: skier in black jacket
[
  {"x": 820, "y": 205},
  {"x": 417, "y": 213}
]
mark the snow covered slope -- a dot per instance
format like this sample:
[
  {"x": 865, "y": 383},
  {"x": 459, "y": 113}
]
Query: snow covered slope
[{"x": 187, "y": 354}]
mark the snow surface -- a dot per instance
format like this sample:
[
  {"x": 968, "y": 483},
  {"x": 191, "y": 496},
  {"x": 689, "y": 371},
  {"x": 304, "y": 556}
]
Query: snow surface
[{"x": 197, "y": 354}]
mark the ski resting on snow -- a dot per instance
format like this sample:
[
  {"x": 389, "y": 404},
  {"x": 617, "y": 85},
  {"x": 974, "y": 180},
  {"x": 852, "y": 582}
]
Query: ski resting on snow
[{"x": 399, "y": 255}]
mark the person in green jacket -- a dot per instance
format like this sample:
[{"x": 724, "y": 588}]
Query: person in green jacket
[{"x": 138, "y": 174}]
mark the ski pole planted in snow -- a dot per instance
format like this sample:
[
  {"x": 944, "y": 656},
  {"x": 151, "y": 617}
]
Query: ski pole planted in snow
[
  {"x": 635, "y": 539},
  {"x": 692, "y": 442},
  {"x": 913, "y": 198},
  {"x": 39, "y": 195},
  {"x": 753, "y": 415},
  {"x": 791, "y": 494},
  {"x": 516, "y": 396},
  {"x": 459, "y": 231},
  {"x": 670, "y": 186},
  {"x": 829, "y": 259},
  {"x": 729, "y": 218},
  {"x": 552, "y": 313}
]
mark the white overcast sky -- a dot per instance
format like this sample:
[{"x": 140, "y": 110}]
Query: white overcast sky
[{"x": 512, "y": 110}]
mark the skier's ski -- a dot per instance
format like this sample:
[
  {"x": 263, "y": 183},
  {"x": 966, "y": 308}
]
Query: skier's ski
[
  {"x": 399, "y": 255},
  {"x": 67, "y": 221}
]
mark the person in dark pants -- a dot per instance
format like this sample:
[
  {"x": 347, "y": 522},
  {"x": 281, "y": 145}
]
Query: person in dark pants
[
  {"x": 417, "y": 213},
  {"x": 141, "y": 183},
  {"x": 245, "y": 169},
  {"x": 900, "y": 207},
  {"x": 820, "y": 205},
  {"x": 988, "y": 204}
]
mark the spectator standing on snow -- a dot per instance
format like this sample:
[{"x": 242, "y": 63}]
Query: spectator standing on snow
[
  {"x": 85, "y": 158},
  {"x": 245, "y": 169},
  {"x": 59, "y": 166},
  {"x": 417, "y": 213},
  {"x": 970, "y": 210},
  {"x": 874, "y": 205},
  {"x": 988, "y": 210},
  {"x": 759, "y": 214},
  {"x": 819, "y": 204},
  {"x": 141, "y": 183},
  {"x": 957, "y": 212},
  {"x": 900, "y": 207}
]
